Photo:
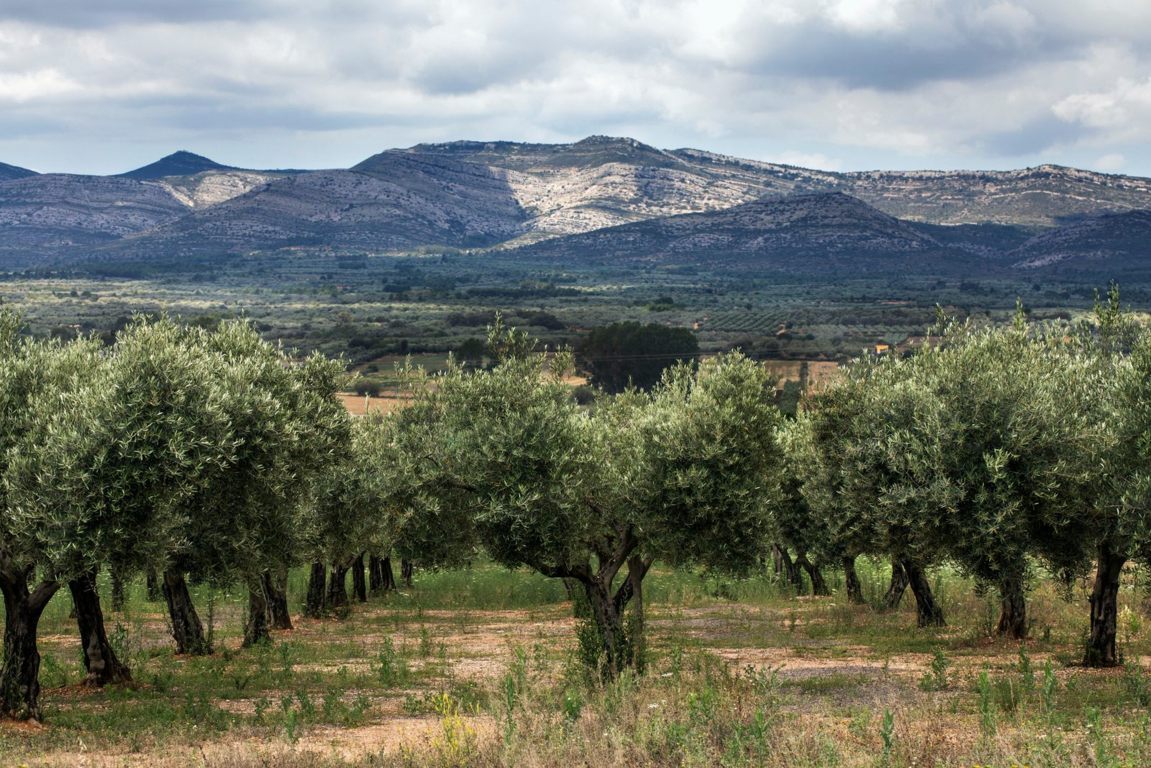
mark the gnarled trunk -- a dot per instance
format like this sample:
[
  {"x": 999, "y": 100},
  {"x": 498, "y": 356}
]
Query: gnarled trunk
[
  {"x": 927, "y": 611},
  {"x": 187, "y": 629},
  {"x": 317, "y": 588},
  {"x": 1102, "y": 650},
  {"x": 897, "y": 587},
  {"x": 788, "y": 570},
  {"x": 276, "y": 591},
  {"x": 100, "y": 661},
  {"x": 337, "y": 587},
  {"x": 851, "y": 581},
  {"x": 20, "y": 673},
  {"x": 407, "y": 569},
  {"x": 359, "y": 586},
  {"x": 609, "y": 627},
  {"x": 818, "y": 585},
  {"x": 1012, "y": 608},
  {"x": 256, "y": 624}
]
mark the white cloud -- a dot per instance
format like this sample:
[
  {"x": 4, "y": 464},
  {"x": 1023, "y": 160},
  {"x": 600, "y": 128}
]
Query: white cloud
[
  {"x": 859, "y": 83},
  {"x": 28, "y": 86},
  {"x": 1111, "y": 162}
]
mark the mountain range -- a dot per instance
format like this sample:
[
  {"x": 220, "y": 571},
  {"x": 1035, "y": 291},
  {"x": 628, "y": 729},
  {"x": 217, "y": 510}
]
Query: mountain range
[{"x": 600, "y": 200}]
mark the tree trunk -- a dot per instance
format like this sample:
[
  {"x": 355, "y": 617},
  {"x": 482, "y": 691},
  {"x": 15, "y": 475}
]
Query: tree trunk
[
  {"x": 788, "y": 569},
  {"x": 317, "y": 585},
  {"x": 636, "y": 631},
  {"x": 1012, "y": 608},
  {"x": 407, "y": 568},
  {"x": 927, "y": 611},
  {"x": 256, "y": 625},
  {"x": 337, "y": 587},
  {"x": 375, "y": 574},
  {"x": 155, "y": 594},
  {"x": 276, "y": 590},
  {"x": 851, "y": 578},
  {"x": 359, "y": 586},
  {"x": 1101, "y": 646},
  {"x": 100, "y": 661},
  {"x": 186, "y": 627},
  {"x": 609, "y": 628},
  {"x": 818, "y": 585},
  {"x": 388, "y": 574},
  {"x": 897, "y": 587},
  {"x": 20, "y": 674},
  {"x": 117, "y": 590}
]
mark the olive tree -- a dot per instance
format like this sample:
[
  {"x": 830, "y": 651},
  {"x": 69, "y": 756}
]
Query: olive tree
[
  {"x": 350, "y": 514},
  {"x": 137, "y": 437},
  {"x": 246, "y": 522},
  {"x": 686, "y": 474},
  {"x": 37, "y": 378},
  {"x": 1018, "y": 446},
  {"x": 1121, "y": 351},
  {"x": 859, "y": 447}
]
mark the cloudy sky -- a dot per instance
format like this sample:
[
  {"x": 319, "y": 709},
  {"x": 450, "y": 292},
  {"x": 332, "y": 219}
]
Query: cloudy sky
[{"x": 102, "y": 86}]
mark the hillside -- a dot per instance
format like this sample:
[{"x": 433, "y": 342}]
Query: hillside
[
  {"x": 397, "y": 203},
  {"x": 820, "y": 233},
  {"x": 42, "y": 214},
  {"x": 9, "y": 172},
  {"x": 1118, "y": 244}
]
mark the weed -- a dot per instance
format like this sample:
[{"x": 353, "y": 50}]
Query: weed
[
  {"x": 987, "y": 717},
  {"x": 935, "y": 678},
  {"x": 391, "y": 668},
  {"x": 456, "y": 744},
  {"x": 1049, "y": 689},
  {"x": 887, "y": 735},
  {"x": 1136, "y": 684}
]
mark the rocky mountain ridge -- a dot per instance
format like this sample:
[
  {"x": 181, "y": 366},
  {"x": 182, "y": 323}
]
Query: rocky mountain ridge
[{"x": 477, "y": 195}]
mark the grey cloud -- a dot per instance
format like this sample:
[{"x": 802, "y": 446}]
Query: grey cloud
[
  {"x": 951, "y": 47},
  {"x": 885, "y": 64},
  {"x": 87, "y": 14},
  {"x": 1036, "y": 136}
]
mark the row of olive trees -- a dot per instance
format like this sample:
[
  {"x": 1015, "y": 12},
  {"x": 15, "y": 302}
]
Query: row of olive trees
[
  {"x": 993, "y": 449},
  {"x": 211, "y": 455},
  {"x": 187, "y": 451}
]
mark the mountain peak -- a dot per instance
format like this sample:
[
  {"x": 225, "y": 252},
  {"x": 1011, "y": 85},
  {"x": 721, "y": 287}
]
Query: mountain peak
[
  {"x": 181, "y": 163},
  {"x": 9, "y": 172}
]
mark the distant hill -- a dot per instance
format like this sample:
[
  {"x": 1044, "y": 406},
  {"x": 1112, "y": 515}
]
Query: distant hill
[
  {"x": 394, "y": 202},
  {"x": 180, "y": 163},
  {"x": 8, "y": 172},
  {"x": 1115, "y": 244},
  {"x": 46, "y": 212},
  {"x": 815, "y": 233}
]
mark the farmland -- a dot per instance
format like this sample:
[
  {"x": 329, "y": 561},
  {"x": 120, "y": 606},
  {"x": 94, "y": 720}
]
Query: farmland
[
  {"x": 482, "y": 665},
  {"x": 373, "y": 309},
  {"x": 478, "y": 667}
]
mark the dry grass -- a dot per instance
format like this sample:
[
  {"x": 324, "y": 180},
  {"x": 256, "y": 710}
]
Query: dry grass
[{"x": 760, "y": 680}]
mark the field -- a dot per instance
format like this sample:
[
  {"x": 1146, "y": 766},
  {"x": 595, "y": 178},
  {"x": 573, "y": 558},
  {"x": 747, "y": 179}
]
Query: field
[
  {"x": 371, "y": 309},
  {"x": 479, "y": 667}
]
